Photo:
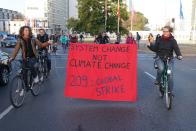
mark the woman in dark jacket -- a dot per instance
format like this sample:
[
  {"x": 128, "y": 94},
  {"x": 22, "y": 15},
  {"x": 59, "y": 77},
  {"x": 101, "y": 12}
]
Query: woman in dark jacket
[{"x": 164, "y": 48}]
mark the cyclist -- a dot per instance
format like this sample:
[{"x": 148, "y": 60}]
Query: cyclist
[
  {"x": 27, "y": 43},
  {"x": 63, "y": 40},
  {"x": 43, "y": 37},
  {"x": 164, "y": 48}
]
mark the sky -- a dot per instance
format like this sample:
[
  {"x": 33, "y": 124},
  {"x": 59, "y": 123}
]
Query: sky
[
  {"x": 18, "y": 5},
  {"x": 154, "y": 10},
  {"x": 158, "y": 10}
]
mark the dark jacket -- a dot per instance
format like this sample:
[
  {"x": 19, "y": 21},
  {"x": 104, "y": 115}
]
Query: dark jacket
[
  {"x": 43, "y": 39},
  {"x": 165, "y": 48},
  {"x": 130, "y": 40}
]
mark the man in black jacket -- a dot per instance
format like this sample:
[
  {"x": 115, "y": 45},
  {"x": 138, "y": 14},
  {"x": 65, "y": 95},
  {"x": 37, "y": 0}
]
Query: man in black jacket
[
  {"x": 164, "y": 48},
  {"x": 43, "y": 37}
]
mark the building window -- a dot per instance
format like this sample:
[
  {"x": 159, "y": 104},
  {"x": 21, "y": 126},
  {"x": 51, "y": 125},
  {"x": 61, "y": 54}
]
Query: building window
[
  {"x": 13, "y": 16},
  {"x": 8, "y": 16},
  {"x": 46, "y": 14}
]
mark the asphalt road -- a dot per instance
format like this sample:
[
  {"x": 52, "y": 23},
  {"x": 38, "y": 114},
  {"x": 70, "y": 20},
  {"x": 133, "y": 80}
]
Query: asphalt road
[{"x": 51, "y": 111}]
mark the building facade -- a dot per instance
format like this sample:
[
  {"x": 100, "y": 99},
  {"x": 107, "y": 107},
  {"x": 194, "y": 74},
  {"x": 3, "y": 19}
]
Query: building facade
[
  {"x": 193, "y": 16},
  {"x": 6, "y": 16},
  {"x": 15, "y": 26},
  {"x": 48, "y": 14},
  {"x": 73, "y": 9}
]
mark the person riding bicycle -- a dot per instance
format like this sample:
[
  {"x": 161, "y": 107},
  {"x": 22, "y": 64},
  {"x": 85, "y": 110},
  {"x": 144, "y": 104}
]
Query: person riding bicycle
[
  {"x": 43, "y": 37},
  {"x": 164, "y": 48},
  {"x": 27, "y": 43},
  {"x": 63, "y": 40}
]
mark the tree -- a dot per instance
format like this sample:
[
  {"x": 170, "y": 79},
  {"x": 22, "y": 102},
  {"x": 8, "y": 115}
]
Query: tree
[
  {"x": 139, "y": 21},
  {"x": 74, "y": 25},
  {"x": 92, "y": 16}
]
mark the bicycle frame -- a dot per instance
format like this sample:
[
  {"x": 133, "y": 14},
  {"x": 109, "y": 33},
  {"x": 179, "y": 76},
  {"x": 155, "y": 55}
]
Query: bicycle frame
[
  {"x": 42, "y": 60},
  {"x": 165, "y": 75},
  {"x": 165, "y": 84},
  {"x": 26, "y": 76}
]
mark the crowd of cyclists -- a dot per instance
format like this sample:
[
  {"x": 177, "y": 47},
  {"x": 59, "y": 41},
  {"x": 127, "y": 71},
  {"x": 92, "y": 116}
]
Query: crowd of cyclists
[{"x": 31, "y": 47}]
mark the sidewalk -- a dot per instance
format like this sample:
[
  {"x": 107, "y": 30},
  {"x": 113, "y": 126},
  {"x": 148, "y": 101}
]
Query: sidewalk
[{"x": 186, "y": 49}]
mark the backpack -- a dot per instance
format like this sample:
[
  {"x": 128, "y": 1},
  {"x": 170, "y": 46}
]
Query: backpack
[{"x": 139, "y": 37}]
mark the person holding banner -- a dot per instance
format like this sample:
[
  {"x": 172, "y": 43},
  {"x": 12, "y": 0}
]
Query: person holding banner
[
  {"x": 164, "y": 48},
  {"x": 130, "y": 39}
]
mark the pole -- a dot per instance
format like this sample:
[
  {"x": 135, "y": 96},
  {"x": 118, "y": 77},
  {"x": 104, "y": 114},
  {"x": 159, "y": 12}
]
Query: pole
[
  {"x": 131, "y": 21},
  {"x": 106, "y": 12},
  {"x": 118, "y": 30},
  {"x": 132, "y": 15}
]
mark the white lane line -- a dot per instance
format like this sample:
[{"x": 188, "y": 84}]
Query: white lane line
[
  {"x": 153, "y": 77},
  {"x": 59, "y": 67},
  {"x": 59, "y": 58},
  {"x": 193, "y": 69},
  {"x": 6, "y": 111},
  {"x": 59, "y": 55}
]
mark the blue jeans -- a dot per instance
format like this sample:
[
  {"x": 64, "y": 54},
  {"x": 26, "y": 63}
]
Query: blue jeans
[
  {"x": 49, "y": 62},
  {"x": 160, "y": 70},
  {"x": 32, "y": 64}
]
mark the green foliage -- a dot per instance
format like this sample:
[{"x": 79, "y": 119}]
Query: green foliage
[
  {"x": 139, "y": 21},
  {"x": 92, "y": 17}
]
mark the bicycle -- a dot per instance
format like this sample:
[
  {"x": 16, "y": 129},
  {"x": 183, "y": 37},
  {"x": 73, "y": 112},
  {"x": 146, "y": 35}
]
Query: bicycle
[
  {"x": 42, "y": 64},
  {"x": 164, "y": 85},
  {"x": 54, "y": 49},
  {"x": 21, "y": 84}
]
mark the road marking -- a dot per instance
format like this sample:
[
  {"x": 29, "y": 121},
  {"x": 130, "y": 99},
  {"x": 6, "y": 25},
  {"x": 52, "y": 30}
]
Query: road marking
[
  {"x": 153, "y": 77},
  {"x": 56, "y": 67},
  {"x": 59, "y": 59},
  {"x": 59, "y": 55},
  {"x": 193, "y": 69},
  {"x": 6, "y": 111},
  {"x": 59, "y": 67}
]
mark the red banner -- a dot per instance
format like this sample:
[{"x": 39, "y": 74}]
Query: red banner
[{"x": 102, "y": 72}]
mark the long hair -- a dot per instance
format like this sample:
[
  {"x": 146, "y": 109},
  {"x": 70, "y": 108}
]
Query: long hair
[{"x": 21, "y": 31}]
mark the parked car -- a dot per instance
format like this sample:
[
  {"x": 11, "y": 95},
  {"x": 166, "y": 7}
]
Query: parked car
[
  {"x": 5, "y": 68},
  {"x": 9, "y": 42}
]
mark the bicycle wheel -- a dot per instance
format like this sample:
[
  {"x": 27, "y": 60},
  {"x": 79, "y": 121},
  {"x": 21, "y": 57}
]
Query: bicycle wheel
[
  {"x": 40, "y": 73},
  {"x": 168, "y": 97},
  {"x": 45, "y": 70},
  {"x": 161, "y": 91},
  {"x": 17, "y": 92},
  {"x": 35, "y": 89}
]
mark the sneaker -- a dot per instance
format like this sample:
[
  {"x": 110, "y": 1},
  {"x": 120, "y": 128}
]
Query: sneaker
[
  {"x": 49, "y": 71},
  {"x": 22, "y": 92},
  {"x": 42, "y": 79},
  {"x": 36, "y": 79},
  {"x": 161, "y": 92},
  {"x": 171, "y": 94},
  {"x": 156, "y": 82}
]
